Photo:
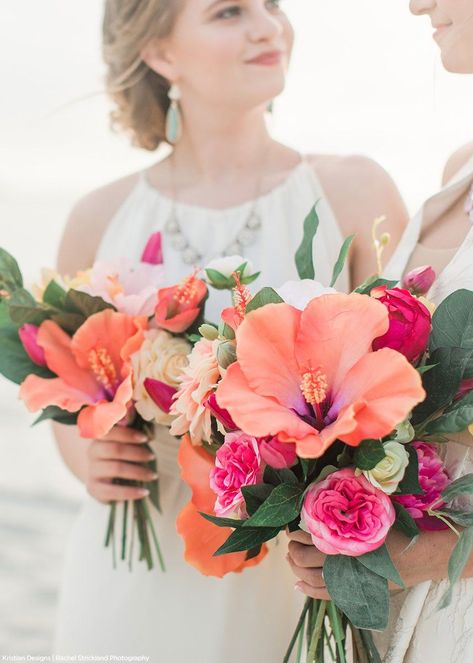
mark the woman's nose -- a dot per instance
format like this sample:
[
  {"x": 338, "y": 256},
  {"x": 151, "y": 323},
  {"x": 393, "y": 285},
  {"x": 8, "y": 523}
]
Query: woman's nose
[
  {"x": 419, "y": 7},
  {"x": 264, "y": 25}
]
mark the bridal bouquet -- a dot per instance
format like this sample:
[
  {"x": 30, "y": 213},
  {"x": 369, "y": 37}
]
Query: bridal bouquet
[
  {"x": 307, "y": 408},
  {"x": 105, "y": 348}
]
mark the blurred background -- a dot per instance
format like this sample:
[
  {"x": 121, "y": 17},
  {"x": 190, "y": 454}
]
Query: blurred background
[{"x": 365, "y": 78}]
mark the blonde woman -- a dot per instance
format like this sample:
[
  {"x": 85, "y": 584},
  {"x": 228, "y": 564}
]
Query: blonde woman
[
  {"x": 210, "y": 68},
  {"x": 440, "y": 235}
]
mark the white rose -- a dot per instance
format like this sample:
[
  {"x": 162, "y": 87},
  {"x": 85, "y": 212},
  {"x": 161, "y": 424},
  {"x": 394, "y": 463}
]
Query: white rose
[
  {"x": 161, "y": 357},
  {"x": 390, "y": 471},
  {"x": 229, "y": 264},
  {"x": 300, "y": 293}
]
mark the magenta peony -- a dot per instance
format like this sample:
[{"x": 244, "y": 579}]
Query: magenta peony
[
  {"x": 346, "y": 515},
  {"x": 410, "y": 323},
  {"x": 238, "y": 463}
]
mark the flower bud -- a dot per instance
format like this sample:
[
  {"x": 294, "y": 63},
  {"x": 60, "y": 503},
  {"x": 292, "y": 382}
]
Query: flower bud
[
  {"x": 226, "y": 354},
  {"x": 161, "y": 393},
  {"x": 420, "y": 280},
  {"x": 28, "y": 336},
  {"x": 153, "y": 252},
  {"x": 209, "y": 332}
]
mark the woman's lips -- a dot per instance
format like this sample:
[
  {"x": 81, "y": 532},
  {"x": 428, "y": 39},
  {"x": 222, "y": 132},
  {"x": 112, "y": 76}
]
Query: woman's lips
[
  {"x": 440, "y": 31},
  {"x": 268, "y": 59}
]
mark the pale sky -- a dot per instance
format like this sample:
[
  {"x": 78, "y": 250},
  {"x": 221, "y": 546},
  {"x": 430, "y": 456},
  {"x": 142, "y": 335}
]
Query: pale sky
[{"x": 365, "y": 78}]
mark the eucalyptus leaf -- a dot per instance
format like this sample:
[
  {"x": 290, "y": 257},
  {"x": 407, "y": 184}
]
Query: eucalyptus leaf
[
  {"x": 340, "y": 264},
  {"x": 368, "y": 454},
  {"x": 462, "y": 518},
  {"x": 247, "y": 538},
  {"x": 461, "y": 486},
  {"x": 305, "y": 253},
  {"x": 361, "y": 594},
  {"x": 457, "y": 562},
  {"x": 262, "y": 298},
  {"x": 281, "y": 507}
]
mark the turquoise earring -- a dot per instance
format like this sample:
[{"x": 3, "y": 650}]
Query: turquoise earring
[{"x": 173, "y": 117}]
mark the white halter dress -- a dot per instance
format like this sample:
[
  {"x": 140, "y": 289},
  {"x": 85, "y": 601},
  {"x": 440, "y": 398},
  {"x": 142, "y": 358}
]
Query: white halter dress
[
  {"x": 418, "y": 631},
  {"x": 181, "y": 616}
]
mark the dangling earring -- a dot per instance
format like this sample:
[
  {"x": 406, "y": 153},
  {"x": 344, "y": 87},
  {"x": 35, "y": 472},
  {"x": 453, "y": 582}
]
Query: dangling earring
[{"x": 173, "y": 117}]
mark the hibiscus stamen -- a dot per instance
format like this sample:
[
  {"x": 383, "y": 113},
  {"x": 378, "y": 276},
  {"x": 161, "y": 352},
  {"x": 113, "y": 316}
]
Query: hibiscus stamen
[
  {"x": 241, "y": 296},
  {"x": 187, "y": 290},
  {"x": 103, "y": 368},
  {"x": 314, "y": 387},
  {"x": 115, "y": 287}
]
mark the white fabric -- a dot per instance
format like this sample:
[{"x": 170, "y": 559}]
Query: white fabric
[
  {"x": 181, "y": 616},
  {"x": 418, "y": 631}
]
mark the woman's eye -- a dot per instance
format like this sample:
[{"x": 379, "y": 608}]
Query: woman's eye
[
  {"x": 229, "y": 12},
  {"x": 274, "y": 4}
]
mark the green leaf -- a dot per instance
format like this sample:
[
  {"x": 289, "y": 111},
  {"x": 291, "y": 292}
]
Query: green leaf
[
  {"x": 250, "y": 279},
  {"x": 10, "y": 274},
  {"x": 361, "y": 594},
  {"x": 15, "y": 364},
  {"x": 219, "y": 280},
  {"x": 81, "y": 302},
  {"x": 247, "y": 538},
  {"x": 69, "y": 322},
  {"x": 405, "y": 522},
  {"x": 409, "y": 484},
  {"x": 340, "y": 264},
  {"x": 462, "y": 518},
  {"x": 381, "y": 563},
  {"x": 222, "y": 522},
  {"x": 24, "y": 309},
  {"x": 452, "y": 322},
  {"x": 368, "y": 454},
  {"x": 461, "y": 486},
  {"x": 305, "y": 252},
  {"x": 281, "y": 507},
  {"x": 255, "y": 496},
  {"x": 425, "y": 369},
  {"x": 443, "y": 381},
  {"x": 275, "y": 477},
  {"x": 54, "y": 295},
  {"x": 254, "y": 552},
  {"x": 57, "y": 414},
  {"x": 457, "y": 562},
  {"x": 456, "y": 418},
  {"x": 374, "y": 282},
  {"x": 262, "y": 298}
]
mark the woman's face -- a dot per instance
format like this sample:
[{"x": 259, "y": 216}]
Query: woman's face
[
  {"x": 453, "y": 23},
  {"x": 232, "y": 53}
]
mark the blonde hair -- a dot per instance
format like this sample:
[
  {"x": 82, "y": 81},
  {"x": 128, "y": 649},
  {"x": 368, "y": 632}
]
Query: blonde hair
[{"x": 139, "y": 95}]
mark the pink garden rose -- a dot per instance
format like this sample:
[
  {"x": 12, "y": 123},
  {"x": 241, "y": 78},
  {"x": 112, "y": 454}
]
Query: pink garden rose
[
  {"x": 433, "y": 478},
  {"x": 346, "y": 514},
  {"x": 238, "y": 463},
  {"x": 277, "y": 454},
  {"x": 410, "y": 323}
]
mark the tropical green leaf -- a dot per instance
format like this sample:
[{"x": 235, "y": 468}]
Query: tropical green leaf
[
  {"x": 81, "y": 302},
  {"x": 409, "y": 485},
  {"x": 305, "y": 253},
  {"x": 361, "y": 594},
  {"x": 340, "y": 264},
  {"x": 368, "y": 454},
  {"x": 222, "y": 522},
  {"x": 281, "y": 507},
  {"x": 24, "y": 309},
  {"x": 374, "y": 282},
  {"x": 380, "y": 562},
  {"x": 15, "y": 364},
  {"x": 54, "y": 295},
  {"x": 57, "y": 414},
  {"x": 262, "y": 298},
  {"x": 456, "y": 418},
  {"x": 247, "y": 538},
  {"x": 255, "y": 496},
  {"x": 452, "y": 322},
  {"x": 10, "y": 274},
  {"x": 457, "y": 562},
  {"x": 404, "y": 522}
]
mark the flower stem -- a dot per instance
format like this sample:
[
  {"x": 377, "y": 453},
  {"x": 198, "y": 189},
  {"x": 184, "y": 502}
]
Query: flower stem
[
  {"x": 317, "y": 632},
  {"x": 337, "y": 629},
  {"x": 153, "y": 534},
  {"x": 299, "y": 627},
  {"x": 124, "y": 530},
  {"x": 437, "y": 514}
]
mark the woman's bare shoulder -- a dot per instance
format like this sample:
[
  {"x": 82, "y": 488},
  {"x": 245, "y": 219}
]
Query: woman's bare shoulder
[
  {"x": 88, "y": 221},
  {"x": 458, "y": 159}
]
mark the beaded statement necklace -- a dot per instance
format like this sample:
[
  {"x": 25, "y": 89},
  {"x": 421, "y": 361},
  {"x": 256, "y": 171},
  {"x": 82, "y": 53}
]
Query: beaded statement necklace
[
  {"x": 245, "y": 237},
  {"x": 469, "y": 204}
]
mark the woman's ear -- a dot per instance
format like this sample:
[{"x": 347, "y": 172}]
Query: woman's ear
[{"x": 156, "y": 55}]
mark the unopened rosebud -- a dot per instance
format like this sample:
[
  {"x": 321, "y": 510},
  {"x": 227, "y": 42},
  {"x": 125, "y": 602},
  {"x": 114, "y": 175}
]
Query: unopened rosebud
[
  {"x": 28, "y": 336},
  {"x": 420, "y": 280},
  {"x": 209, "y": 332},
  {"x": 226, "y": 354}
]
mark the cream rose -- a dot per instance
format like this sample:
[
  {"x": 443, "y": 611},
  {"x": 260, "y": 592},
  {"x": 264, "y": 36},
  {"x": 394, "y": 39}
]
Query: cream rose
[
  {"x": 161, "y": 357},
  {"x": 390, "y": 471}
]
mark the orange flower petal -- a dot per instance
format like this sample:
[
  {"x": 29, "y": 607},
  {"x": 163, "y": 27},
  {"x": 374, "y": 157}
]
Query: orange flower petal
[
  {"x": 388, "y": 386},
  {"x": 38, "y": 393},
  {"x": 265, "y": 351},
  {"x": 336, "y": 331},
  {"x": 97, "y": 420},
  {"x": 202, "y": 539},
  {"x": 57, "y": 346},
  {"x": 258, "y": 415}
]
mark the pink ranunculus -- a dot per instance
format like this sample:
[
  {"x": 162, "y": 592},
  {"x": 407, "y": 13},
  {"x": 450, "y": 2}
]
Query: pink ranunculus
[
  {"x": 420, "y": 280},
  {"x": 433, "y": 478},
  {"x": 277, "y": 454},
  {"x": 238, "y": 463},
  {"x": 28, "y": 336},
  {"x": 346, "y": 515},
  {"x": 410, "y": 323}
]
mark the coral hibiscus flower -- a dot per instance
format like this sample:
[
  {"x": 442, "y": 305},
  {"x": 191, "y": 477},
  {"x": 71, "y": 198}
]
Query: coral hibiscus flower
[
  {"x": 311, "y": 377},
  {"x": 93, "y": 371}
]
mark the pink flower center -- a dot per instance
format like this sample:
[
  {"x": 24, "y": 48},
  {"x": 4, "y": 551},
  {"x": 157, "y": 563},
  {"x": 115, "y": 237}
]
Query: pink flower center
[
  {"x": 314, "y": 387},
  {"x": 187, "y": 290},
  {"x": 103, "y": 369}
]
